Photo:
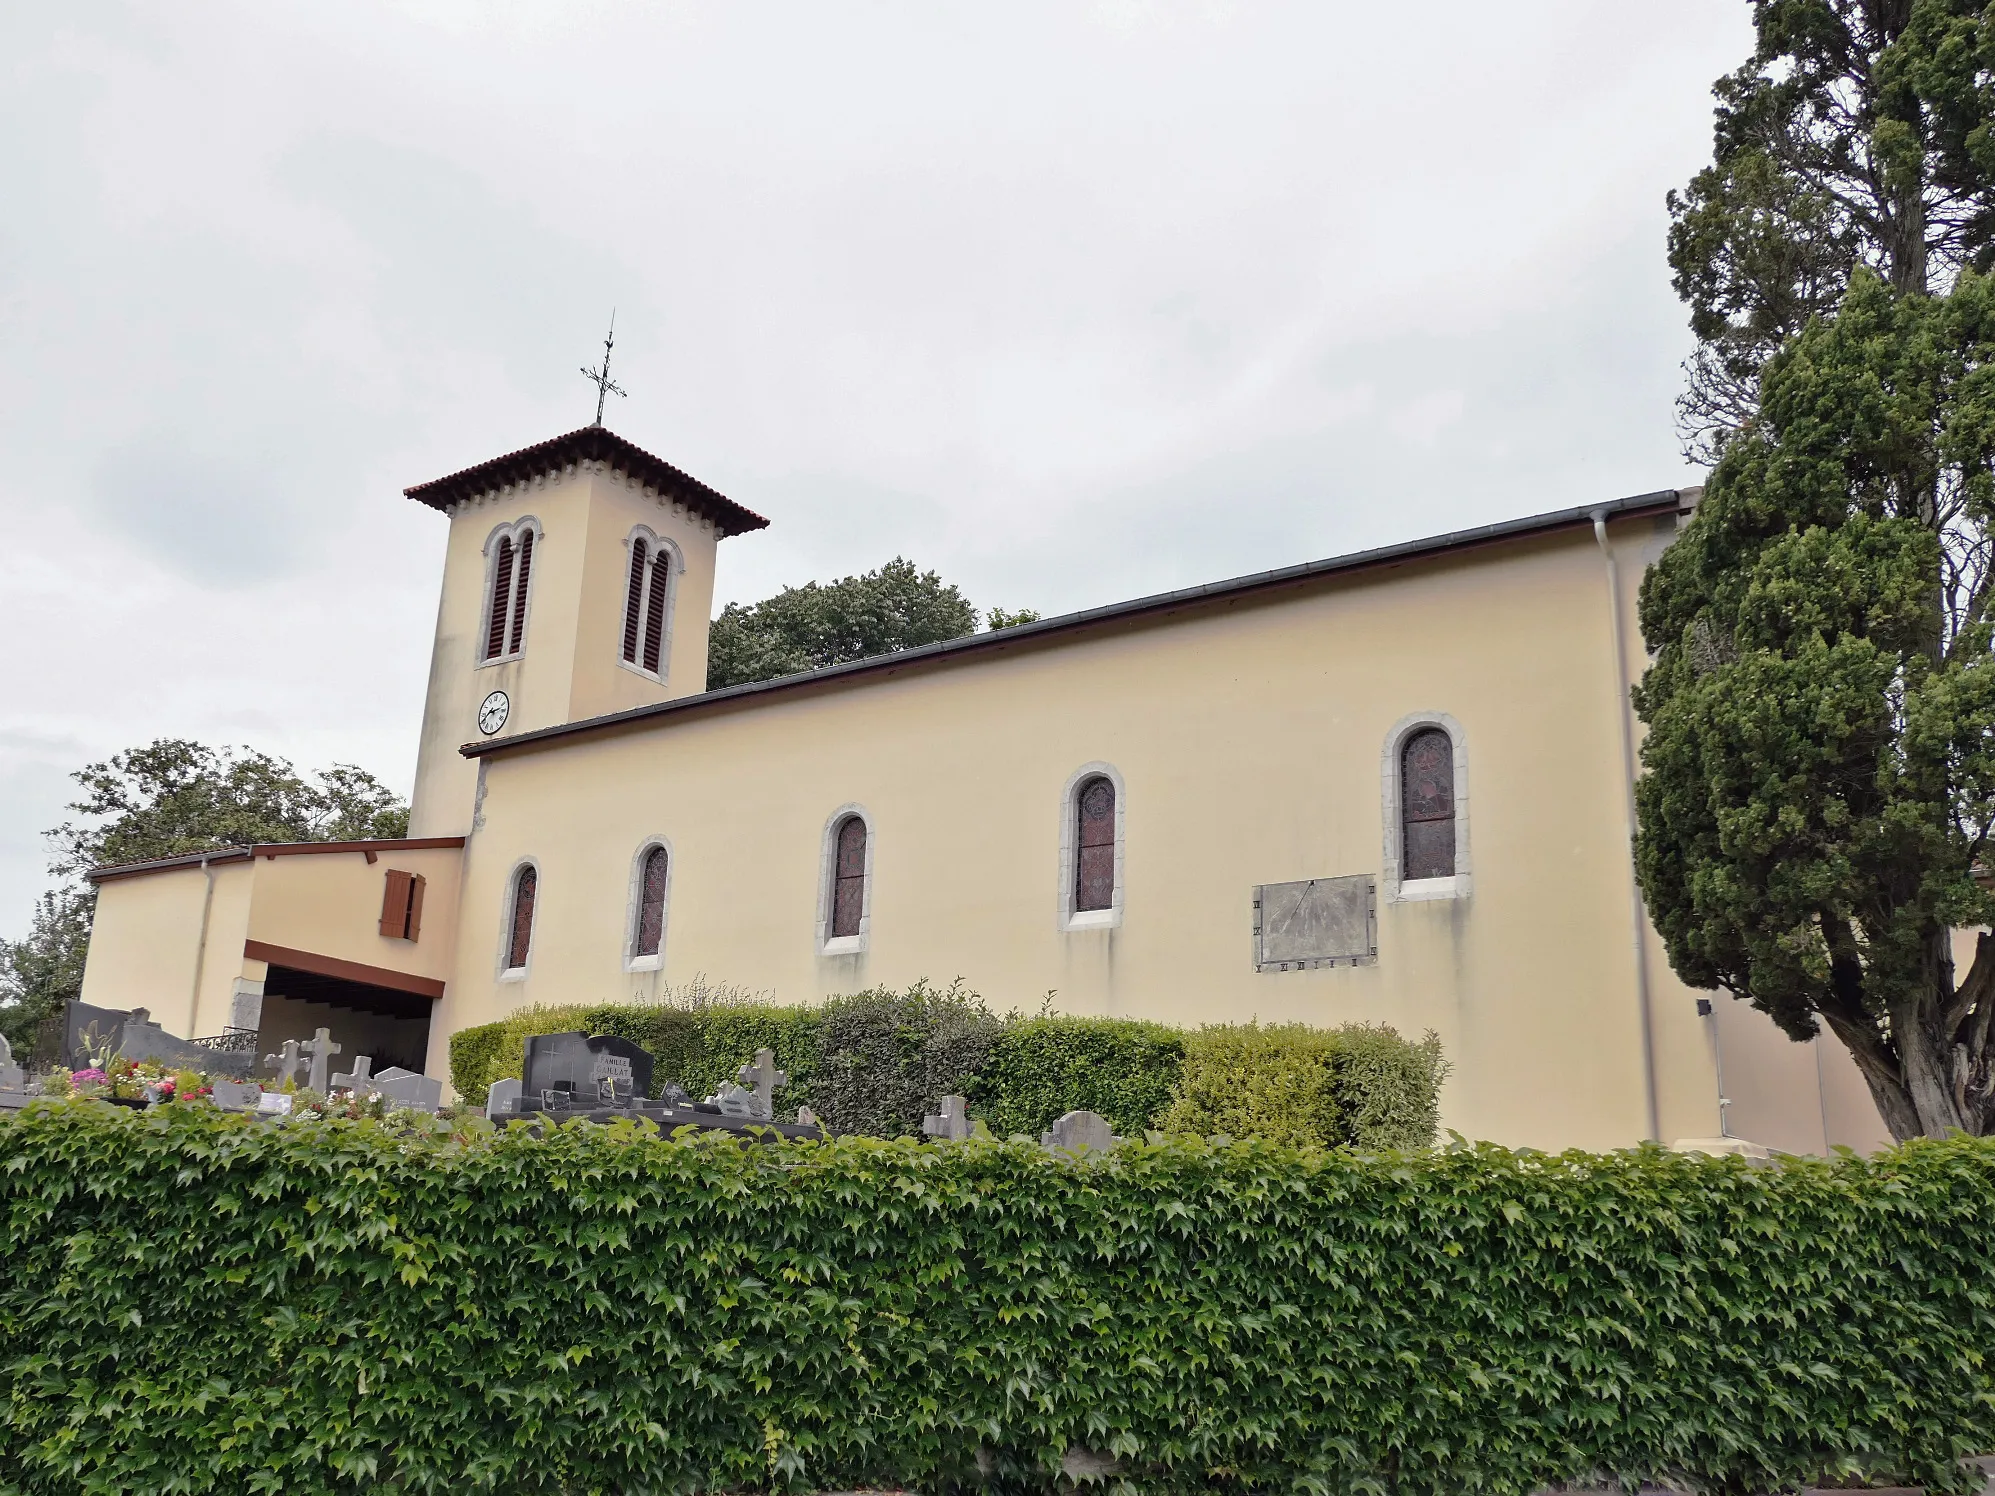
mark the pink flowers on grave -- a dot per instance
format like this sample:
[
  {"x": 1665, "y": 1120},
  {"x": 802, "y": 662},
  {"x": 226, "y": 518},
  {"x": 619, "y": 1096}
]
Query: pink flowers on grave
[{"x": 92, "y": 1076}]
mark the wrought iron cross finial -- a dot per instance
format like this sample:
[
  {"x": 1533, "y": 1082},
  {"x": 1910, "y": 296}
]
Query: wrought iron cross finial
[{"x": 605, "y": 386}]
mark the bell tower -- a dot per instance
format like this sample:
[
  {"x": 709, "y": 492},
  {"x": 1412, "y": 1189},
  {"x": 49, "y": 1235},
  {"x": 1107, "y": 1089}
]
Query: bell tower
[{"x": 578, "y": 581}]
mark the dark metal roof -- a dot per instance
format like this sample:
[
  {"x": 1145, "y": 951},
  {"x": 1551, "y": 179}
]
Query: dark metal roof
[
  {"x": 1670, "y": 499},
  {"x": 590, "y": 444},
  {"x": 267, "y": 849}
]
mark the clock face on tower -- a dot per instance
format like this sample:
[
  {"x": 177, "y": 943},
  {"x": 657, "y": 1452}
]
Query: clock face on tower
[{"x": 493, "y": 711}]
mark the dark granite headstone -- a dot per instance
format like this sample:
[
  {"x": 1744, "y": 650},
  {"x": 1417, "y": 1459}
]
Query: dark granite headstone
[
  {"x": 135, "y": 1036},
  {"x": 590, "y": 1069}
]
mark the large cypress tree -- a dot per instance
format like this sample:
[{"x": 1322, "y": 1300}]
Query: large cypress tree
[{"x": 1820, "y": 785}]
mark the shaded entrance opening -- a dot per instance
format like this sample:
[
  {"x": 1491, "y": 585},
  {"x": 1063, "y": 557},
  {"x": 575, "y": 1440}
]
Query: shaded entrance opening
[{"x": 390, "y": 1027}]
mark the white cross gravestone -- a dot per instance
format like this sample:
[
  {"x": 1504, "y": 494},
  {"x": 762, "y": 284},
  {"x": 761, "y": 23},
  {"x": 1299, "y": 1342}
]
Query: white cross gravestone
[
  {"x": 503, "y": 1098},
  {"x": 321, "y": 1049},
  {"x": 762, "y": 1078},
  {"x": 953, "y": 1123},
  {"x": 287, "y": 1062},
  {"x": 356, "y": 1080},
  {"x": 1085, "y": 1133},
  {"x": 12, "y": 1078}
]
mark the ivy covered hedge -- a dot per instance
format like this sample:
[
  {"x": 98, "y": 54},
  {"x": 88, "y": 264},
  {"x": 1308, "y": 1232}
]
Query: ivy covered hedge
[
  {"x": 201, "y": 1302},
  {"x": 878, "y": 1061}
]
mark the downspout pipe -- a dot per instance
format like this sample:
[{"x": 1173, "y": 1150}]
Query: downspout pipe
[
  {"x": 1638, "y": 917},
  {"x": 201, "y": 950}
]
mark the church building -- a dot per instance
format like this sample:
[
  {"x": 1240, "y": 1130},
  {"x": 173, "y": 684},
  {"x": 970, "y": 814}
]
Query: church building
[{"x": 1389, "y": 787}]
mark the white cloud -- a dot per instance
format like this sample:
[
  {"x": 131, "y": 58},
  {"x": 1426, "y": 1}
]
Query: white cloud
[{"x": 1070, "y": 303}]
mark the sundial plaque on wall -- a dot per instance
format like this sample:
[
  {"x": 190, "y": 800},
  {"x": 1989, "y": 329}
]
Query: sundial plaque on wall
[{"x": 1317, "y": 922}]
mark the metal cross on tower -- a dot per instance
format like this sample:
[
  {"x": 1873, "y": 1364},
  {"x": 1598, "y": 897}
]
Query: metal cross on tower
[{"x": 605, "y": 386}]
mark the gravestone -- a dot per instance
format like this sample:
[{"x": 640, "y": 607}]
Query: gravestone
[
  {"x": 319, "y": 1049},
  {"x": 273, "y": 1104},
  {"x": 1085, "y": 1133},
  {"x": 14, "y": 1092},
  {"x": 288, "y": 1064},
  {"x": 502, "y": 1099},
  {"x": 953, "y": 1123},
  {"x": 755, "y": 1096},
  {"x": 407, "y": 1088},
  {"x": 586, "y": 1069},
  {"x": 86, "y": 1029},
  {"x": 356, "y": 1080},
  {"x": 236, "y": 1096}
]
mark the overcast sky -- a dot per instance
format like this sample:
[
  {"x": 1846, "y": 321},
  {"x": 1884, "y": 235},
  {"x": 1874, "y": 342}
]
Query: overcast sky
[{"x": 1069, "y": 301}]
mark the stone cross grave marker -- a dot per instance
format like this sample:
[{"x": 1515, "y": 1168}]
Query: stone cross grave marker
[
  {"x": 503, "y": 1098},
  {"x": 12, "y": 1078},
  {"x": 1085, "y": 1133},
  {"x": 287, "y": 1062},
  {"x": 762, "y": 1077},
  {"x": 953, "y": 1122},
  {"x": 356, "y": 1080},
  {"x": 321, "y": 1049}
]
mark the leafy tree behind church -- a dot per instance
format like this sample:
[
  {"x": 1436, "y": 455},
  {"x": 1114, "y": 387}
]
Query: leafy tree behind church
[
  {"x": 1819, "y": 792},
  {"x": 167, "y": 798},
  {"x": 854, "y": 618}
]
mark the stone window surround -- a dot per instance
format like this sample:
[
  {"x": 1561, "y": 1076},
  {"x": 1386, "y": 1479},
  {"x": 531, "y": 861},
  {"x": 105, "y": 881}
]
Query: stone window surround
[
  {"x": 1070, "y": 918},
  {"x": 519, "y": 973},
  {"x": 844, "y": 945},
  {"x": 633, "y": 910},
  {"x": 673, "y": 572},
  {"x": 1393, "y": 889},
  {"x": 512, "y": 529}
]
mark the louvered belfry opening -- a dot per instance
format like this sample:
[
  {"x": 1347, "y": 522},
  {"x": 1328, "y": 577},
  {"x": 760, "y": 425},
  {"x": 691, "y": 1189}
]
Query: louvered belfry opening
[
  {"x": 519, "y": 937},
  {"x": 646, "y": 598},
  {"x": 633, "y": 603},
  {"x": 1094, "y": 845},
  {"x": 651, "y": 904},
  {"x": 1427, "y": 805},
  {"x": 848, "y": 878},
  {"x": 519, "y": 594},
  {"x": 502, "y": 597},
  {"x": 654, "y": 611}
]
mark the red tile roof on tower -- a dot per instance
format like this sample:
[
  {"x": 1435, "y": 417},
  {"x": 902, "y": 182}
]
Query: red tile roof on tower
[{"x": 590, "y": 444}]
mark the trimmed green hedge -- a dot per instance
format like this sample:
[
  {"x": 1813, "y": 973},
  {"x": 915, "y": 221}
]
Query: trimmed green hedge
[
  {"x": 202, "y": 1302},
  {"x": 878, "y": 1061}
]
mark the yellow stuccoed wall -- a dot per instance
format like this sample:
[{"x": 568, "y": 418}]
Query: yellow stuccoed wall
[{"x": 1249, "y": 735}]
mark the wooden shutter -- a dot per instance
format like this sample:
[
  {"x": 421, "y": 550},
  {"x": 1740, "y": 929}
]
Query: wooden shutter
[
  {"x": 519, "y": 592},
  {"x": 633, "y": 602},
  {"x": 415, "y": 905},
  {"x": 1094, "y": 846},
  {"x": 502, "y": 596},
  {"x": 654, "y": 614},
  {"x": 395, "y": 905},
  {"x": 1427, "y": 805},
  {"x": 848, "y": 878}
]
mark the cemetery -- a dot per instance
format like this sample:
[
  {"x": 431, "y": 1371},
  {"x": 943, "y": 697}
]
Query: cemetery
[{"x": 594, "y": 1287}]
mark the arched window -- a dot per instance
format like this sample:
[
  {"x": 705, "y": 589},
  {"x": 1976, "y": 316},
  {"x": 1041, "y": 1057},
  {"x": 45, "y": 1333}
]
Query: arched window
[
  {"x": 1094, "y": 844},
  {"x": 511, "y": 550},
  {"x": 848, "y": 878},
  {"x": 649, "y": 935},
  {"x": 647, "y": 603},
  {"x": 1427, "y": 805},
  {"x": 519, "y": 929}
]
